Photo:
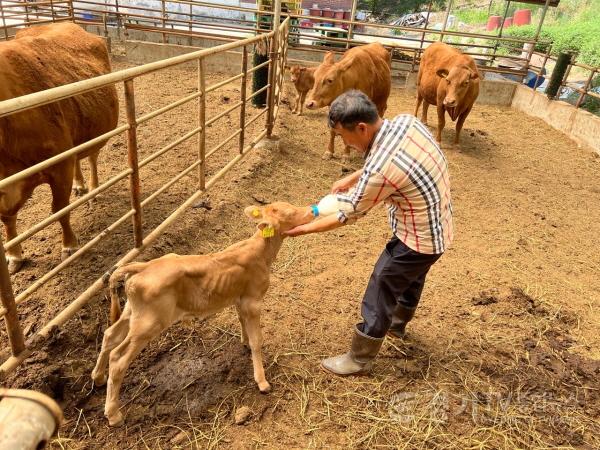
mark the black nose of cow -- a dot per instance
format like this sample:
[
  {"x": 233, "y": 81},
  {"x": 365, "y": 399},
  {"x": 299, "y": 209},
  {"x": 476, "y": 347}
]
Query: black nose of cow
[{"x": 310, "y": 104}]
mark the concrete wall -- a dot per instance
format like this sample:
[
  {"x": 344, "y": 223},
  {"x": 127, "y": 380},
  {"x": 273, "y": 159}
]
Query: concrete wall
[{"x": 582, "y": 126}]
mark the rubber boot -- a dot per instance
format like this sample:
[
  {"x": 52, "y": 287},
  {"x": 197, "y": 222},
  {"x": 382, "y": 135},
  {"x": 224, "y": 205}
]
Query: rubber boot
[
  {"x": 358, "y": 360},
  {"x": 402, "y": 315}
]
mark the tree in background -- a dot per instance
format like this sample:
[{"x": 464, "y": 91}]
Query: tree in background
[{"x": 383, "y": 8}]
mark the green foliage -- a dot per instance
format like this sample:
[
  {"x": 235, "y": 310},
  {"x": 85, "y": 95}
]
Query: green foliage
[
  {"x": 578, "y": 37},
  {"x": 383, "y": 8},
  {"x": 472, "y": 16}
]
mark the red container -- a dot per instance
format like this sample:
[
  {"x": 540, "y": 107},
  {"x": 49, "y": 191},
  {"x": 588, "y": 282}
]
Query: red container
[
  {"x": 522, "y": 17},
  {"x": 339, "y": 14},
  {"x": 493, "y": 23},
  {"x": 315, "y": 12},
  {"x": 328, "y": 13},
  {"x": 347, "y": 15},
  {"x": 508, "y": 22}
]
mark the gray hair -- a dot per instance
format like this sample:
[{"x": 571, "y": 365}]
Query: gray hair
[{"x": 351, "y": 108}]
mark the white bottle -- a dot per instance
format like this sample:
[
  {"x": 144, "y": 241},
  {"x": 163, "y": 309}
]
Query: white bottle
[{"x": 330, "y": 204}]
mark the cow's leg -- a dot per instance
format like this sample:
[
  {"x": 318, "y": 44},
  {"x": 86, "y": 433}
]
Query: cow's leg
[
  {"x": 113, "y": 336},
  {"x": 250, "y": 310},
  {"x": 141, "y": 331},
  {"x": 14, "y": 255},
  {"x": 346, "y": 155},
  {"x": 441, "y": 122},
  {"x": 93, "y": 160},
  {"x": 301, "y": 104},
  {"x": 424, "y": 113},
  {"x": 243, "y": 325},
  {"x": 60, "y": 184},
  {"x": 419, "y": 100},
  {"x": 459, "y": 125},
  {"x": 80, "y": 187},
  {"x": 329, "y": 153}
]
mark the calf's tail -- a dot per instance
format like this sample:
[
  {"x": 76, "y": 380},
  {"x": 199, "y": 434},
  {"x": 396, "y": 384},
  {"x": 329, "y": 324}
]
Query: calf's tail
[{"x": 116, "y": 285}]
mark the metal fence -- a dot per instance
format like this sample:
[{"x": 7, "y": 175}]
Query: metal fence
[{"x": 277, "y": 43}]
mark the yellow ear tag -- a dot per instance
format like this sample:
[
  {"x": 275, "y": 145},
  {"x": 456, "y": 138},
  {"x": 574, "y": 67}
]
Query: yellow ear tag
[
  {"x": 256, "y": 213},
  {"x": 268, "y": 232}
]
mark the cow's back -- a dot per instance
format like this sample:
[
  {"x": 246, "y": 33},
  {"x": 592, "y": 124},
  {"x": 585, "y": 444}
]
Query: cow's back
[
  {"x": 438, "y": 56},
  {"x": 369, "y": 70},
  {"x": 41, "y": 58}
]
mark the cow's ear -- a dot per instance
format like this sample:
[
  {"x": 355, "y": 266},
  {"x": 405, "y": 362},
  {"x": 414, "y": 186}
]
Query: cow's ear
[
  {"x": 254, "y": 212},
  {"x": 302, "y": 69},
  {"x": 473, "y": 75},
  {"x": 329, "y": 58},
  {"x": 442, "y": 73}
]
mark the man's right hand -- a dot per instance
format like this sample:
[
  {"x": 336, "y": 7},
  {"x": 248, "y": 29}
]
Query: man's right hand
[{"x": 346, "y": 183}]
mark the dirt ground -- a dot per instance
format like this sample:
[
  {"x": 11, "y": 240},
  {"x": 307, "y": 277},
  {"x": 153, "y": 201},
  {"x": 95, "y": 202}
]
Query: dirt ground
[{"x": 503, "y": 352}]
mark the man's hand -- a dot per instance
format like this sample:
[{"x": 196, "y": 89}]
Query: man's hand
[
  {"x": 346, "y": 183},
  {"x": 297, "y": 231}
]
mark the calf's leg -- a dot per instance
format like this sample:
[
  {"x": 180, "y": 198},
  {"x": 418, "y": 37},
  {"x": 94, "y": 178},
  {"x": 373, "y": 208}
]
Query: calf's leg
[
  {"x": 141, "y": 331},
  {"x": 113, "y": 336},
  {"x": 241, "y": 317},
  {"x": 250, "y": 313}
]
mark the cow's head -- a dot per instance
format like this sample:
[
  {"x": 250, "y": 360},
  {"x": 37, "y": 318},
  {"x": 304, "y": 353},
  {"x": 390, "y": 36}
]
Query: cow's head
[
  {"x": 276, "y": 218},
  {"x": 328, "y": 82},
  {"x": 296, "y": 72},
  {"x": 458, "y": 81}
]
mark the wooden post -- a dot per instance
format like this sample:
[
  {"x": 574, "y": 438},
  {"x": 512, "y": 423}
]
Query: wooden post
[
  {"x": 500, "y": 30},
  {"x": 13, "y": 327},
  {"x": 351, "y": 27},
  {"x": 535, "y": 38},
  {"x": 418, "y": 53},
  {"x": 132, "y": 159},
  {"x": 243, "y": 97},
  {"x": 4, "y": 22},
  {"x": 537, "y": 78},
  {"x": 202, "y": 125},
  {"x": 446, "y": 20},
  {"x": 585, "y": 88},
  {"x": 190, "y": 38},
  {"x": 164, "y": 23},
  {"x": 273, "y": 68}
]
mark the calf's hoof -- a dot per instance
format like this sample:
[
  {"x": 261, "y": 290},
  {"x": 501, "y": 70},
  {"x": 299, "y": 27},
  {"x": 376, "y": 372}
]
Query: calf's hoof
[
  {"x": 14, "y": 265},
  {"x": 116, "y": 419},
  {"x": 264, "y": 387},
  {"x": 327, "y": 155},
  {"x": 99, "y": 378}
]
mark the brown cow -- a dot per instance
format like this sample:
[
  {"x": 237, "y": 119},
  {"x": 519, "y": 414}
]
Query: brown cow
[
  {"x": 366, "y": 68},
  {"x": 41, "y": 58},
  {"x": 449, "y": 79},
  {"x": 163, "y": 291},
  {"x": 303, "y": 79}
]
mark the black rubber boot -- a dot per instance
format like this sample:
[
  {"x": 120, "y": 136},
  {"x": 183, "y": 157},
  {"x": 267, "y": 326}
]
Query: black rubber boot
[
  {"x": 358, "y": 360},
  {"x": 402, "y": 315}
]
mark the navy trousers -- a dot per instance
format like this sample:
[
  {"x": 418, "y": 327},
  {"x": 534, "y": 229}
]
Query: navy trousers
[{"x": 397, "y": 279}]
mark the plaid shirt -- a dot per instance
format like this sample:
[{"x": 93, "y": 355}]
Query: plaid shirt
[{"x": 407, "y": 170}]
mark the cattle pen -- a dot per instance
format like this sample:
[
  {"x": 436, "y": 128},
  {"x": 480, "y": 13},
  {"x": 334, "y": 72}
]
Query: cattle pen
[
  {"x": 277, "y": 40},
  {"x": 504, "y": 349}
]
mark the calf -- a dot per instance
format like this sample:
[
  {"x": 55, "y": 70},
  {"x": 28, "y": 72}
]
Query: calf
[
  {"x": 448, "y": 79},
  {"x": 303, "y": 79},
  {"x": 165, "y": 290}
]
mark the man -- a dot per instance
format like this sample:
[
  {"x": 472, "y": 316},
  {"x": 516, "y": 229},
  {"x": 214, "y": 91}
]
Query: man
[{"x": 406, "y": 169}]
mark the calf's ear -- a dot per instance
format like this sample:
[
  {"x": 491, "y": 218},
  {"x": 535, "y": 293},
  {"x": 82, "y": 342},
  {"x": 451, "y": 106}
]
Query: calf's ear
[
  {"x": 329, "y": 58},
  {"x": 254, "y": 212},
  {"x": 266, "y": 228},
  {"x": 442, "y": 73},
  {"x": 473, "y": 75}
]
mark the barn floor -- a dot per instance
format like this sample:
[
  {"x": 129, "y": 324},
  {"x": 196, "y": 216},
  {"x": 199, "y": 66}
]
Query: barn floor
[{"x": 503, "y": 353}]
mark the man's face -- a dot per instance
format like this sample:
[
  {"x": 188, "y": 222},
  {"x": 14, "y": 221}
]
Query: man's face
[{"x": 359, "y": 138}]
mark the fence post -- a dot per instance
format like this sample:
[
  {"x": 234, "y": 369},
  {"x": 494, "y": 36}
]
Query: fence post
[
  {"x": 13, "y": 327},
  {"x": 351, "y": 26},
  {"x": 132, "y": 159},
  {"x": 243, "y": 96},
  {"x": 190, "y": 42},
  {"x": 535, "y": 39},
  {"x": 585, "y": 88},
  {"x": 4, "y": 22},
  {"x": 446, "y": 16},
  {"x": 164, "y": 24},
  {"x": 539, "y": 74},
  {"x": 273, "y": 68},
  {"x": 202, "y": 124}
]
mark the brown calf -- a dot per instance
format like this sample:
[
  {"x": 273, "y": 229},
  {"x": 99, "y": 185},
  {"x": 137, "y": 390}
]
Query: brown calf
[
  {"x": 303, "y": 79},
  {"x": 165, "y": 290}
]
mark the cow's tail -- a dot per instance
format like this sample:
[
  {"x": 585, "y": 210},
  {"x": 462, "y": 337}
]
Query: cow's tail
[{"x": 116, "y": 285}]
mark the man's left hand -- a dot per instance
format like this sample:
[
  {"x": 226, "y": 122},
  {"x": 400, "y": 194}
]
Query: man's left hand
[{"x": 297, "y": 231}]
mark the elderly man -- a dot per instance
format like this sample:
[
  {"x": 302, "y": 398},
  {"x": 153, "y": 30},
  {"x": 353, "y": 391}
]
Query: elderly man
[{"x": 406, "y": 169}]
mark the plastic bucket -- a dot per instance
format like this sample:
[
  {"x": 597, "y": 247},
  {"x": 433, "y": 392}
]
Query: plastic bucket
[
  {"x": 508, "y": 22},
  {"x": 522, "y": 17},
  {"x": 328, "y": 13},
  {"x": 493, "y": 23}
]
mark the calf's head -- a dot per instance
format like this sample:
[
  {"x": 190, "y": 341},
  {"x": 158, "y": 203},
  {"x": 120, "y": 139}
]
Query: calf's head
[
  {"x": 328, "y": 82},
  {"x": 296, "y": 72},
  {"x": 458, "y": 80},
  {"x": 276, "y": 218}
]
